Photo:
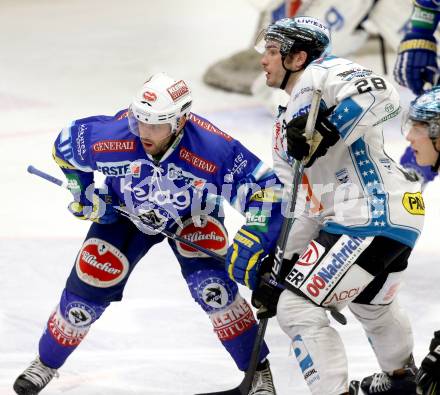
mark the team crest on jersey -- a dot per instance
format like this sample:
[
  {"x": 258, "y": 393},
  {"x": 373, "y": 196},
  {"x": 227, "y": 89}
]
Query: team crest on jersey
[
  {"x": 80, "y": 314},
  {"x": 413, "y": 203},
  {"x": 177, "y": 173},
  {"x": 215, "y": 293},
  {"x": 211, "y": 235},
  {"x": 101, "y": 264},
  {"x": 63, "y": 332}
]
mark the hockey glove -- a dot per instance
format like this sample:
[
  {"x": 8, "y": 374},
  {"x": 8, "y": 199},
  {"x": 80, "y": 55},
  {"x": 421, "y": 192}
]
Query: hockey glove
[
  {"x": 98, "y": 209},
  {"x": 89, "y": 203},
  {"x": 326, "y": 135},
  {"x": 265, "y": 297},
  {"x": 424, "y": 174},
  {"x": 428, "y": 376},
  {"x": 416, "y": 61},
  {"x": 243, "y": 258}
]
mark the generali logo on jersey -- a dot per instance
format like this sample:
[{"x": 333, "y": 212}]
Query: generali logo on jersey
[
  {"x": 208, "y": 126},
  {"x": 178, "y": 90},
  {"x": 114, "y": 146},
  {"x": 197, "y": 161}
]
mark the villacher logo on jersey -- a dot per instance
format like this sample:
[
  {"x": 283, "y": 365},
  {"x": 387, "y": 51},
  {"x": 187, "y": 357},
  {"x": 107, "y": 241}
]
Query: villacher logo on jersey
[
  {"x": 100, "y": 264},
  {"x": 212, "y": 236}
]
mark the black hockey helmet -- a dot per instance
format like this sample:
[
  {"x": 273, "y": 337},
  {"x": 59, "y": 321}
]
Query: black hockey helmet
[{"x": 302, "y": 33}]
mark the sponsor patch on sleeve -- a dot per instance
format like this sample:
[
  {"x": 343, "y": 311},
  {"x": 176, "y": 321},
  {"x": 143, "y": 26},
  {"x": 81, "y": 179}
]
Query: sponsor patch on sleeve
[{"x": 413, "y": 203}]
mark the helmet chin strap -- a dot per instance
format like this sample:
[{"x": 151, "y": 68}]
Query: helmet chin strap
[
  {"x": 287, "y": 74},
  {"x": 437, "y": 162}
]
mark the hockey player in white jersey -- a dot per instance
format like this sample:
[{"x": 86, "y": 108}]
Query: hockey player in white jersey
[{"x": 358, "y": 221}]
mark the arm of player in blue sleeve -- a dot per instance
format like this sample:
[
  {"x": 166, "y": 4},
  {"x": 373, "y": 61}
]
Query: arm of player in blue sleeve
[
  {"x": 257, "y": 194},
  {"x": 260, "y": 192},
  {"x": 429, "y": 4},
  {"x": 71, "y": 153},
  {"x": 424, "y": 174},
  {"x": 416, "y": 62}
]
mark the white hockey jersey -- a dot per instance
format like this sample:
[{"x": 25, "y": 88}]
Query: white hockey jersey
[{"x": 356, "y": 188}]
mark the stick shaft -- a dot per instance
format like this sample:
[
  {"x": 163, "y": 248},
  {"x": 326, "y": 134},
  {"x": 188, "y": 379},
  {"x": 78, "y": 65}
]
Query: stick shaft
[{"x": 33, "y": 170}]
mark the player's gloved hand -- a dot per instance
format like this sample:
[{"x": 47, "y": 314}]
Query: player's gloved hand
[
  {"x": 96, "y": 206},
  {"x": 428, "y": 376},
  {"x": 266, "y": 295},
  {"x": 424, "y": 174},
  {"x": 243, "y": 258},
  {"x": 89, "y": 203},
  {"x": 326, "y": 135},
  {"x": 416, "y": 61}
]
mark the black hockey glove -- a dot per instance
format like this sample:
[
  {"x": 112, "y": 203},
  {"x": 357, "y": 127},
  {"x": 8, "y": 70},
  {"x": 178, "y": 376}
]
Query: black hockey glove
[
  {"x": 326, "y": 135},
  {"x": 428, "y": 376},
  {"x": 265, "y": 296}
]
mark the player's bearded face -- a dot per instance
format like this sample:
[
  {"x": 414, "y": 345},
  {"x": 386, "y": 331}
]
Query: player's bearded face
[{"x": 154, "y": 137}]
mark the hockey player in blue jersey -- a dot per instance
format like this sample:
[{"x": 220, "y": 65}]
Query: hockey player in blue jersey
[
  {"x": 172, "y": 168},
  {"x": 416, "y": 62},
  {"x": 355, "y": 224},
  {"x": 416, "y": 67}
]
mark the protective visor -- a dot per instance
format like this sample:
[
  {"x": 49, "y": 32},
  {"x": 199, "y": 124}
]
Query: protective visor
[
  {"x": 264, "y": 43},
  {"x": 417, "y": 129},
  {"x": 134, "y": 124}
]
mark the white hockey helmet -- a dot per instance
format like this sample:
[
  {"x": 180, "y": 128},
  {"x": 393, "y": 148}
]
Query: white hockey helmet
[{"x": 161, "y": 100}]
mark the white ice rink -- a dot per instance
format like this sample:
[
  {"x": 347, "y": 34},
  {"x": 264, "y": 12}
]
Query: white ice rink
[{"x": 61, "y": 60}]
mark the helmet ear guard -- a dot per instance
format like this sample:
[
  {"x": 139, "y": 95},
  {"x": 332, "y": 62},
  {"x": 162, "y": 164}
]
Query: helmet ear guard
[{"x": 161, "y": 100}]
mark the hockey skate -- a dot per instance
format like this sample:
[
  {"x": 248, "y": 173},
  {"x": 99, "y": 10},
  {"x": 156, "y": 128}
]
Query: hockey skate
[
  {"x": 263, "y": 382},
  {"x": 34, "y": 378},
  {"x": 401, "y": 382}
]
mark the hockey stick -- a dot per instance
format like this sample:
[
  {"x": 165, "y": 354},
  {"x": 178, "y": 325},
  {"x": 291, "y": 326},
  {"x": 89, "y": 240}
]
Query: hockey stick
[
  {"x": 126, "y": 213},
  {"x": 298, "y": 170}
]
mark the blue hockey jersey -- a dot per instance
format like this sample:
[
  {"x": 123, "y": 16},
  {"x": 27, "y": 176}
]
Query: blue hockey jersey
[{"x": 202, "y": 164}]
